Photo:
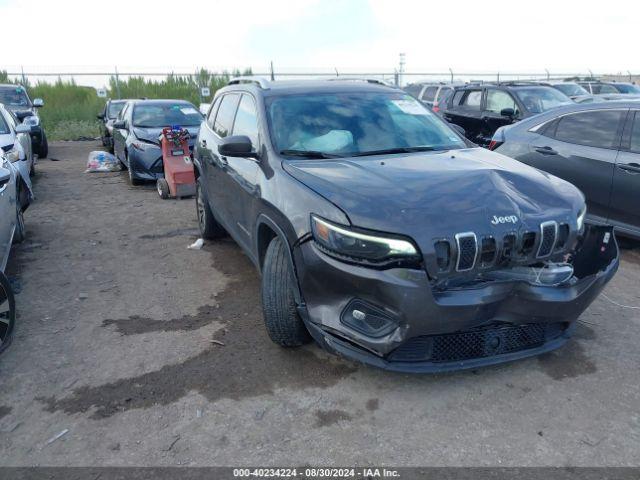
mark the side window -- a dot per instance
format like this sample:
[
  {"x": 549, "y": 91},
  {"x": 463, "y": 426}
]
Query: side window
[
  {"x": 12, "y": 120},
  {"x": 212, "y": 112},
  {"x": 123, "y": 112},
  {"x": 443, "y": 94},
  {"x": 635, "y": 134},
  {"x": 593, "y": 129},
  {"x": 604, "y": 88},
  {"x": 472, "y": 99},
  {"x": 498, "y": 100},
  {"x": 457, "y": 97},
  {"x": 247, "y": 120},
  {"x": 226, "y": 112},
  {"x": 429, "y": 94}
]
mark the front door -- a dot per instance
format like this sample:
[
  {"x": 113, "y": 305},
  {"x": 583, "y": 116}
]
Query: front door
[
  {"x": 492, "y": 118},
  {"x": 582, "y": 149},
  {"x": 7, "y": 211}
]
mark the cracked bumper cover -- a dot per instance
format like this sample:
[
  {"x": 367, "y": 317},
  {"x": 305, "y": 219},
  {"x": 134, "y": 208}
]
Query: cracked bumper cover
[{"x": 420, "y": 314}]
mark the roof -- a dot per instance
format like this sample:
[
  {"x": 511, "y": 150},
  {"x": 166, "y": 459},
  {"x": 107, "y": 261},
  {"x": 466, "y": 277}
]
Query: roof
[
  {"x": 158, "y": 101},
  {"x": 280, "y": 87}
]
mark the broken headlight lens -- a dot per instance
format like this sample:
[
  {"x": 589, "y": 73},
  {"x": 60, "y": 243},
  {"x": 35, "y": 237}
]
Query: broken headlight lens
[
  {"x": 358, "y": 246},
  {"x": 581, "y": 215}
]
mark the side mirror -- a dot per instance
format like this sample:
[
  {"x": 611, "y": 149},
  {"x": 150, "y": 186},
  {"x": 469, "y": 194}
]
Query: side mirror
[
  {"x": 5, "y": 176},
  {"x": 237, "y": 146},
  {"x": 458, "y": 129},
  {"x": 100, "y": 116},
  {"x": 120, "y": 125},
  {"x": 508, "y": 112},
  {"x": 38, "y": 102},
  {"x": 21, "y": 115},
  {"x": 23, "y": 128}
]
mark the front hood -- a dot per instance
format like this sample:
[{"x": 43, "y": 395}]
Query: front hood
[
  {"x": 440, "y": 193},
  {"x": 152, "y": 134}
]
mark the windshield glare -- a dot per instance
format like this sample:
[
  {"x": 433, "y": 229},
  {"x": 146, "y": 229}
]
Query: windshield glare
[
  {"x": 541, "y": 99},
  {"x": 14, "y": 97},
  {"x": 355, "y": 123},
  {"x": 114, "y": 109},
  {"x": 166, "y": 115},
  {"x": 571, "y": 89}
]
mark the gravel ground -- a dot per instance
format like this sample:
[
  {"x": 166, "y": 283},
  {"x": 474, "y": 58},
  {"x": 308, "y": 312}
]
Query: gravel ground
[{"x": 146, "y": 353}]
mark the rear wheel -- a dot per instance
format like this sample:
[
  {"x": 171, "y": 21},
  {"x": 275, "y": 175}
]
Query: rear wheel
[
  {"x": 209, "y": 227},
  {"x": 284, "y": 325},
  {"x": 7, "y": 312},
  {"x": 163, "y": 188}
]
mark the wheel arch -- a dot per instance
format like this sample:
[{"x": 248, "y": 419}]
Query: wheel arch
[{"x": 266, "y": 230}]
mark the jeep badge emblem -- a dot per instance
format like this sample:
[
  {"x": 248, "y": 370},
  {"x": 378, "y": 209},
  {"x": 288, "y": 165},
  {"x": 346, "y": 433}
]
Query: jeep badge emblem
[{"x": 508, "y": 219}]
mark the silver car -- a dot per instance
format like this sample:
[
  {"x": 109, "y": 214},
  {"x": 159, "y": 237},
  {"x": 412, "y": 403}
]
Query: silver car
[
  {"x": 15, "y": 141},
  {"x": 11, "y": 229}
]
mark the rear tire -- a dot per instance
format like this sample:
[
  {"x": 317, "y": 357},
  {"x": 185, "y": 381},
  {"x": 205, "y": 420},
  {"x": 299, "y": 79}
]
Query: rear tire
[
  {"x": 210, "y": 229},
  {"x": 284, "y": 325},
  {"x": 7, "y": 313},
  {"x": 163, "y": 188}
]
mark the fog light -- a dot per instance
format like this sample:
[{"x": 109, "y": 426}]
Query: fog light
[{"x": 367, "y": 319}]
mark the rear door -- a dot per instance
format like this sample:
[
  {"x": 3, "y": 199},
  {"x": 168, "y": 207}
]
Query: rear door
[
  {"x": 625, "y": 195},
  {"x": 582, "y": 148},
  {"x": 216, "y": 164},
  {"x": 492, "y": 119},
  {"x": 466, "y": 110}
]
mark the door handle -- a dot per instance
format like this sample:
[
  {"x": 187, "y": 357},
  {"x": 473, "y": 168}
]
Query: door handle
[
  {"x": 630, "y": 167},
  {"x": 545, "y": 150},
  {"x": 223, "y": 161},
  {"x": 203, "y": 143}
]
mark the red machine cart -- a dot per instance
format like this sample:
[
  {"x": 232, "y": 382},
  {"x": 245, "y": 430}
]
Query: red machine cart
[{"x": 179, "y": 179}]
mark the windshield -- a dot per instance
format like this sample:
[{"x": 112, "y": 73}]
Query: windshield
[
  {"x": 159, "y": 115},
  {"x": 541, "y": 99},
  {"x": 14, "y": 97},
  {"x": 347, "y": 124},
  {"x": 114, "y": 109},
  {"x": 627, "y": 88},
  {"x": 571, "y": 89}
]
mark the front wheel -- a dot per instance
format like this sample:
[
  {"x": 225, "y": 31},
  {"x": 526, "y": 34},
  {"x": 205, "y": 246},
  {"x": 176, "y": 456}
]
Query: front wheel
[
  {"x": 133, "y": 180},
  {"x": 284, "y": 325},
  {"x": 43, "y": 151},
  {"x": 7, "y": 312}
]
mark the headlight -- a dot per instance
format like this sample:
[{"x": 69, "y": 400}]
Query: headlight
[
  {"x": 581, "y": 214},
  {"x": 32, "y": 120},
  {"x": 360, "y": 247}
]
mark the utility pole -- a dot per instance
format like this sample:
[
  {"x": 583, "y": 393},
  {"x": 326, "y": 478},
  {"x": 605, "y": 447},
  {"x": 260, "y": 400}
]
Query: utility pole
[
  {"x": 118, "y": 84},
  {"x": 401, "y": 69},
  {"x": 24, "y": 80},
  {"x": 451, "y": 72},
  {"x": 273, "y": 76}
]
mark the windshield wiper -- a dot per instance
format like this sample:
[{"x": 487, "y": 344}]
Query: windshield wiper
[
  {"x": 309, "y": 154},
  {"x": 390, "y": 151}
]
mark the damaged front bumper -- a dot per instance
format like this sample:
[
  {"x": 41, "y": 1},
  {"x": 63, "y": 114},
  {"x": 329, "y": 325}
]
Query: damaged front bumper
[{"x": 394, "y": 319}]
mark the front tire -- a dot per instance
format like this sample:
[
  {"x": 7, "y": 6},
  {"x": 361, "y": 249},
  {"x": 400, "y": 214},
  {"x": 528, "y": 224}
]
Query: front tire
[
  {"x": 7, "y": 313},
  {"x": 210, "y": 229},
  {"x": 132, "y": 178},
  {"x": 284, "y": 325},
  {"x": 43, "y": 151}
]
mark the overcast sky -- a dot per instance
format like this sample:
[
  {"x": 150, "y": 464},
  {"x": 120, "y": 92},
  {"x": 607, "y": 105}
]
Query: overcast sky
[{"x": 303, "y": 35}]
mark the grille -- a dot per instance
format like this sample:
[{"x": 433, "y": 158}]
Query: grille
[
  {"x": 485, "y": 342},
  {"x": 467, "y": 251},
  {"x": 488, "y": 251},
  {"x": 548, "y": 233}
]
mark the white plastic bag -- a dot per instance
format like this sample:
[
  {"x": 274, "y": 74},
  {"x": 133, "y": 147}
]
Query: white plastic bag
[{"x": 99, "y": 161}]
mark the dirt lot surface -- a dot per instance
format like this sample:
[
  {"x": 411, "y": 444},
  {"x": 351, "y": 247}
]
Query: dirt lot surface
[{"x": 146, "y": 353}]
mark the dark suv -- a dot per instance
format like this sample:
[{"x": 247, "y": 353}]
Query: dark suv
[
  {"x": 379, "y": 233},
  {"x": 482, "y": 109},
  {"x": 16, "y": 99}
]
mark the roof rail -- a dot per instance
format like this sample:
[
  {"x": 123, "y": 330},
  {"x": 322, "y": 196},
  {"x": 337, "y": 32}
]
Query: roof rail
[
  {"x": 260, "y": 81},
  {"x": 376, "y": 81}
]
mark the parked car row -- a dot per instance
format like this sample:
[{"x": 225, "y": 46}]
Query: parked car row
[{"x": 384, "y": 235}]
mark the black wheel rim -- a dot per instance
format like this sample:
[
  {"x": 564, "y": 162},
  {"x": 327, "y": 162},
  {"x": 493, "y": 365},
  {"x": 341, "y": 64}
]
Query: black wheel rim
[{"x": 7, "y": 313}]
